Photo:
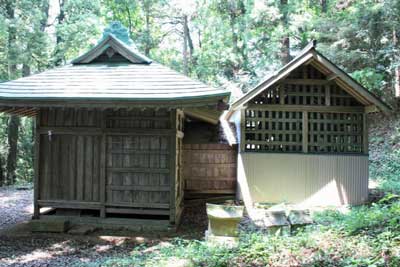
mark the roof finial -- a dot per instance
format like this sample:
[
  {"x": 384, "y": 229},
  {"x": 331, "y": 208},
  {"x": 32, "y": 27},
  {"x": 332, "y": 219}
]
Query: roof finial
[
  {"x": 119, "y": 31},
  {"x": 314, "y": 43}
]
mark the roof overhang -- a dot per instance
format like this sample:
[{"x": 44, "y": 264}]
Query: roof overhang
[
  {"x": 29, "y": 107},
  {"x": 211, "y": 116}
]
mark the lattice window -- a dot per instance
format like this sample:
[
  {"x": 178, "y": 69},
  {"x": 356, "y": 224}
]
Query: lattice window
[
  {"x": 299, "y": 94},
  {"x": 340, "y": 97},
  {"x": 335, "y": 132},
  {"x": 273, "y": 131},
  {"x": 270, "y": 96},
  {"x": 306, "y": 86}
]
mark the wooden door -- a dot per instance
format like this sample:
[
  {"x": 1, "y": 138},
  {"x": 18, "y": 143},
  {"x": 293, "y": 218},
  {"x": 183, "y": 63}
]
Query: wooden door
[{"x": 138, "y": 171}]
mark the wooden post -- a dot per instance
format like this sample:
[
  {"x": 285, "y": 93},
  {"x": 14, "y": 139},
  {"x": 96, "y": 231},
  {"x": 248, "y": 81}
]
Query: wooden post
[
  {"x": 36, "y": 189},
  {"x": 242, "y": 130},
  {"x": 365, "y": 134},
  {"x": 103, "y": 170},
  {"x": 281, "y": 94},
  {"x": 172, "y": 171},
  {"x": 327, "y": 95},
  {"x": 305, "y": 132}
]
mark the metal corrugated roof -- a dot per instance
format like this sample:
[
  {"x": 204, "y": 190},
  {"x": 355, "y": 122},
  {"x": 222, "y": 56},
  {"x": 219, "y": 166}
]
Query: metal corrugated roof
[{"x": 108, "y": 81}]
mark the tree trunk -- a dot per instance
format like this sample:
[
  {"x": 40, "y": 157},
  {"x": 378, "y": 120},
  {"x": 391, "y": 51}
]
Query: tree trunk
[
  {"x": 12, "y": 74},
  {"x": 324, "y": 6},
  {"x": 13, "y": 127},
  {"x": 2, "y": 178},
  {"x": 285, "y": 41},
  {"x": 396, "y": 68},
  {"x": 146, "y": 8},
  {"x": 45, "y": 15},
  {"x": 185, "y": 46},
  {"x": 11, "y": 48},
  {"x": 59, "y": 56},
  {"x": 13, "y": 134}
]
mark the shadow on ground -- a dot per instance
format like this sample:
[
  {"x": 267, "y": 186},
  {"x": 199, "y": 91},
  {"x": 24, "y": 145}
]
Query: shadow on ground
[{"x": 21, "y": 247}]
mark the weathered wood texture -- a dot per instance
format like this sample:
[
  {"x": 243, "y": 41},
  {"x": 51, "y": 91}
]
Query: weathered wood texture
[
  {"x": 127, "y": 159},
  {"x": 306, "y": 112},
  {"x": 69, "y": 167},
  {"x": 209, "y": 168}
]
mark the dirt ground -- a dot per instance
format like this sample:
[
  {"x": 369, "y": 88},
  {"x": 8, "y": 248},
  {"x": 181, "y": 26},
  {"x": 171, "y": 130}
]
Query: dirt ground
[
  {"x": 15, "y": 206},
  {"x": 20, "y": 247}
]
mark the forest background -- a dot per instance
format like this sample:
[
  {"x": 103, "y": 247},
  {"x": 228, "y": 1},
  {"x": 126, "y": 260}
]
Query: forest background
[{"x": 229, "y": 43}]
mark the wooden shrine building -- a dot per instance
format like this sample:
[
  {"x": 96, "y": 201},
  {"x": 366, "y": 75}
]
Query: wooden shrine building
[
  {"x": 303, "y": 135},
  {"x": 109, "y": 129}
]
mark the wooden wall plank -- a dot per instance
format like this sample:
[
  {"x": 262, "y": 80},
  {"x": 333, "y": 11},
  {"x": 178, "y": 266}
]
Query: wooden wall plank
[
  {"x": 87, "y": 162},
  {"x": 37, "y": 159},
  {"x": 80, "y": 159}
]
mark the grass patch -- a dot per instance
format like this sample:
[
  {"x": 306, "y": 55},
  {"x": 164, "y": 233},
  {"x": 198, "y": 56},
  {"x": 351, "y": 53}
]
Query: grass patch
[{"x": 365, "y": 236}]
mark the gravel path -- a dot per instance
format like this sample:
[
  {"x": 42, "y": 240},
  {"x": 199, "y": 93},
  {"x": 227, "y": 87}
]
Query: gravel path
[
  {"x": 15, "y": 206},
  {"x": 63, "y": 250},
  {"x": 20, "y": 247}
]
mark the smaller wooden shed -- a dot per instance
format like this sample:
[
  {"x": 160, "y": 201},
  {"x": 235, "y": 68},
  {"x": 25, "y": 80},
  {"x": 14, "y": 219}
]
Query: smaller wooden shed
[
  {"x": 303, "y": 135},
  {"x": 109, "y": 130}
]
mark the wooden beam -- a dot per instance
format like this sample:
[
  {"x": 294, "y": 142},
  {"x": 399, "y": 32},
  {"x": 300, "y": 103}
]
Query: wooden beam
[
  {"x": 139, "y": 170},
  {"x": 138, "y": 187},
  {"x": 306, "y": 81},
  {"x": 210, "y": 116},
  {"x": 149, "y": 205},
  {"x": 111, "y": 131},
  {"x": 172, "y": 170},
  {"x": 331, "y": 76},
  {"x": 365, "y": 134},
  {"x": 71, "y": 130},
  {"x": 103, "y": 166},
  {"x": 137, "y": 211},
  {"x": 69, "y": 204},
  {"x": 333, "y": 109},
  {"x": 281, "y": 94},
  {"x": 371, "y": 109},
  {"x": 305, "y": 132},
  {"x": 272, "y": 80},
  {"x": 242, "y": 130},
  {"x": 349, "y": 84},
  {"x": 327, "y": 95},
  {"x": 36, "y": 192},
  {"x": 79, "y": 103}
]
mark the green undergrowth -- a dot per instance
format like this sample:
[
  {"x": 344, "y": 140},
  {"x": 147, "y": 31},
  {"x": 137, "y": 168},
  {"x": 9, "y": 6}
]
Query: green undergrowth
[
  {"x": 364, "y": 236},
  {"x": 384, "y": 152}
]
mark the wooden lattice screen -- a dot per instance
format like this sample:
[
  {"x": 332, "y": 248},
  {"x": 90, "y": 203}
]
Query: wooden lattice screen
[
  {"x": 267, "y": 130},
  {"x": 305, "y": 112},
  {"x": 335, "y": 132}
]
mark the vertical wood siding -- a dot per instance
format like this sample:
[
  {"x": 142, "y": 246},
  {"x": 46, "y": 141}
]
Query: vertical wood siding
[
  {"x": 69, "y": 167},
  {"x": 111, "y": 159},
  {"x": 303, "y": 179}
]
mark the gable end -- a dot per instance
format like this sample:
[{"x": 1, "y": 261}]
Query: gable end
[{"x": 109, "y": 46}]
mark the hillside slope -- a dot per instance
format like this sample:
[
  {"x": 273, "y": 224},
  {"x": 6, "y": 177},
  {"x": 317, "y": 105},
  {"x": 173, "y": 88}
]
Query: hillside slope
[{"x": 384, "y": 151}]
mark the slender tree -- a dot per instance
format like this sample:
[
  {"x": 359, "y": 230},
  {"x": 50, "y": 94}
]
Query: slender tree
[
  {"x": 14, "y": 121},
  {"x": 59, "y": 55},
  {"x": 285, "y": 41}
]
